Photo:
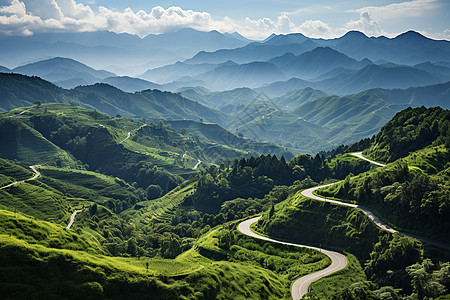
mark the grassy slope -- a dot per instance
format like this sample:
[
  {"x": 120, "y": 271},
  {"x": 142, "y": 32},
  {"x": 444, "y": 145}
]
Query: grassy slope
[
  {"x": 22, "y": 143},
  {"x": 52, "y": 262},
  {"x": 430, "y": 161},
  {"x": 305, "y": 221},
  {"x": 10, "y": 172}
]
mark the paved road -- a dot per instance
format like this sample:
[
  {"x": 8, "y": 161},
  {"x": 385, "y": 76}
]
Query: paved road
[
  {"x": 359, "y": 155},
  {"x": 19, "y": 114},
  {"x": 309, "y": 194},
  {"x": 129, "y": 134},
  {"x": 301, "y": 285},
  {"x": 72, "y": 218},
  {"x": 197, "y": 164},
  {"x": 36, "y": 175}
]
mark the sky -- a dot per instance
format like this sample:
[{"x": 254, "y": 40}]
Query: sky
[{"x": 254, "y": 19}]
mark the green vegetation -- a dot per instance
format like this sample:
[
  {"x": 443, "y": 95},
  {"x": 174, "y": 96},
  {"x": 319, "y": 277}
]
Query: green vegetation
[
  {"x": 151, "y": 224},
  {"x": 411, "y": 130},
  {"x": 320, "y": 223},
  {"x": 11, "y": 172},
  {"x": 412, "y": 193},
  {"x": 22, "y": 143},
  {"x": 328, "y": 287}
]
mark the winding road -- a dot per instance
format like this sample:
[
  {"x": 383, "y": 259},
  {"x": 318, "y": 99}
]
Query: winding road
[
  {"x": 309, "y": 194},
  {"x": 72, "y": 218},
  {"x": 300, "y": 286},
  {"x": 339, "y": 261},
  {"x": 359, "y": 155},
  {"x": 197, "y": 164},
  {"x": 36, "y": 175},
  {"x": 129, "y": 133}
]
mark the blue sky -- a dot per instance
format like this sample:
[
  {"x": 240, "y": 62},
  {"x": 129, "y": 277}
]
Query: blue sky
[{"x": 252, "y": 18}]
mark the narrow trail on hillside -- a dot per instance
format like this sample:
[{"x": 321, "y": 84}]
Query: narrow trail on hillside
[
  {"x": 130, "y": 132},
  {"x": 36, "y": 175},
  {"x": 300, "y": 286},
  {"x": 72, "y": 218},
  {"x": 309, "y": 194},
  {"x": 197, "y": 164},
  {"x": 19, "y": 114}
]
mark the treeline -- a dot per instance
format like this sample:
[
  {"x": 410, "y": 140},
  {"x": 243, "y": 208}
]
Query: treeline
[
  {"x": 244, "y": 178},
  {"x": 170, "y": 238},
  {"x": 406, "y": 196},
  {"x": 256, "y": 176},
  {"x": 410, "y": 130},
  {"x": 97, "y": 149},
  {"x": 397, "y": 269}
]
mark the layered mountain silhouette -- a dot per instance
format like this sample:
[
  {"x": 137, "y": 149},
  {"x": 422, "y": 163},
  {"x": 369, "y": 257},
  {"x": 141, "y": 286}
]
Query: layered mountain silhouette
[
  {"x": 121, "y": 53},
  {"x": 64, "y": 72}
]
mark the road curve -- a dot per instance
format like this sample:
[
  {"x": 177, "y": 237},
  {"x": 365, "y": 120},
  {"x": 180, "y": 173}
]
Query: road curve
[
  {"x": 377, "y": 221},
  {"x": 301, "y": 285},
  {"x": 359, "y": 155},
  {"x": 36, "y": 175},
  {"x": 308, "y": 193},
  {"x": 72, "y": 218},
  {"x": 197, "y": 164},
  {"x": 129, "y": 133}
]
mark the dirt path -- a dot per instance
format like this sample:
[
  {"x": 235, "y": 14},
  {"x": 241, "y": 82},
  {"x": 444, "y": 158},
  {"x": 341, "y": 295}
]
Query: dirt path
[
  {"x": 130, "y": 132},
  {"x": 72, "y": 218},
  {"x": 36, "y": 175}
]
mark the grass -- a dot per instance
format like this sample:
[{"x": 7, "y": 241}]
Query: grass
[
  {"x": 162, "y": 208},
  {"x": 326, "y": 287},
  {"x": 287, "y": 262},
  {"x": 10, "y": 172},
  {"x": 19, "y": 141},
  {"x": 33, "y": 199},
  {"x": 37, "y": 232},
  {"x": 47, "y": 271}
]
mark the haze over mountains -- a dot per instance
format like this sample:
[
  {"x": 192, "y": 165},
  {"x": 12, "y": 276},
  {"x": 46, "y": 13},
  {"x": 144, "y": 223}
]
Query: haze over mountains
[
  {"x": 302, "y": 93},
  {"x": 121, "y": 53}
]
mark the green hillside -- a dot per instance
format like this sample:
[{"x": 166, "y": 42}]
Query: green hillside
[
  {"x": 20, "y": 90},
  {"x": 214, "y": 133},
  {"x": 411, "y": 130},
  {"x": 148, "y": 223},
  {"x": 23, "y": 143},
  {"x": 267, "y": 122}
]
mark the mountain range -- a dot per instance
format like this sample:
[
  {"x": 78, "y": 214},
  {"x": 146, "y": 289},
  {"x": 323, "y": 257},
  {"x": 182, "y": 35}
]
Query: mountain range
[
  {"x": 120, "y": 53},
  {"x": 306, "y": 119}
]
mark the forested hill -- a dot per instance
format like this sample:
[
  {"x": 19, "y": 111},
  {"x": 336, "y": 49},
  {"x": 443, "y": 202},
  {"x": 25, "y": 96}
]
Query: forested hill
[
  {"x": 413, "y": 191},
  {"x": 20, "y": 90},
  {"x": 411, "y": 130}
]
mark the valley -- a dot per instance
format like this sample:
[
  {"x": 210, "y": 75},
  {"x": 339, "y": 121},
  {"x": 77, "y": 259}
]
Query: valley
[{"x": 192, "y": 164}]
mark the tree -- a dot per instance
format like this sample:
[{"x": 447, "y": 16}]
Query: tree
[
  {"x": 93, "y": 209},
  {"x": 154, "y": 191},
  {"x": 37, "y": 103}
]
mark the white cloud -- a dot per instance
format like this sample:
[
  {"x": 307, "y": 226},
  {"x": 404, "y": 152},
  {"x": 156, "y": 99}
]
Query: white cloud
[
  {"x": 25, "y": 17},
  {"x": 29, "y": 16},
  {"x": 444, "y": 35},
  {"x": 403, "y": 9},
  {"x": 16, "y": 8},
  {"x": 317, "y": 29},
  {"x": 365, "y": 24}
]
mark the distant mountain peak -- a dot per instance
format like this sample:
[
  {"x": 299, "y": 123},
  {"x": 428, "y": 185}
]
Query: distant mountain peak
[
  {"x": 291, "y": 38},
  {"x": 269, "y": 37},
  {"x": 354, "y": 34},
  {"x": 411, "y": 34}
]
